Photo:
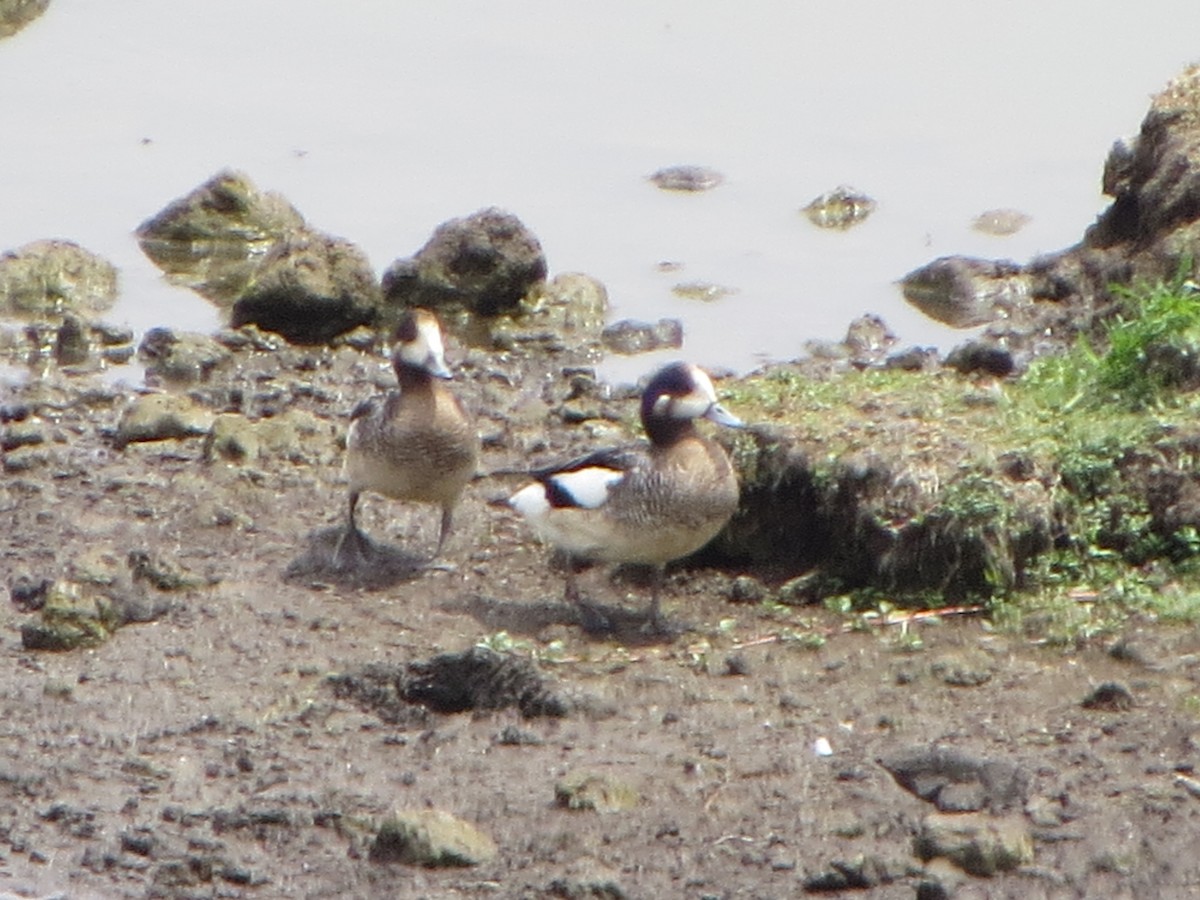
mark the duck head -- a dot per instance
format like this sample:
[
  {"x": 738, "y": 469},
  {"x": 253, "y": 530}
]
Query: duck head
[
  {"x": 419, "y": 347},
  {"x": 676, "y": 396}
]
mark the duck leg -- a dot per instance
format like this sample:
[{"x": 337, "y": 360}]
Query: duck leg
[
  {"x": 351, "y": 539},
  {"x": 655, "y": 622},
  {"x": 443, "y": 531},
  {"x": 447, "y": 515}
]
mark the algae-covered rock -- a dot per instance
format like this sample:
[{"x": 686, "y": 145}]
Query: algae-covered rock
[
  {"x": 981, "y": 845},
  {"x": 295, "y": 435},
  {"x": 598, "y": 792},
  {"x": 964, "y": 292},
  {"x": 16, "y": 14},
  {"x": 162, "y": 417},
  {"x": 55, "y": 277},
  {"x": 841, "y": 208},
  {"x": 72, "y": 615},
  {"x": 562, "y": 317},
  {"x": 212, "y": 238},
  {"x": 75, "y": 614},
  {"x": 485, "y": 263},
  {"x": 180, "y": 357},
  {"x": 432, "y": 838},
  {"x": 310, "y": 288},
  {"x": 630, "y": 337}
]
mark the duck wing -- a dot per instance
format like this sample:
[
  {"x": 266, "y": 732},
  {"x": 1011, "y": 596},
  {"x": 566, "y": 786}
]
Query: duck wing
[{"x": 583, "y": 482}]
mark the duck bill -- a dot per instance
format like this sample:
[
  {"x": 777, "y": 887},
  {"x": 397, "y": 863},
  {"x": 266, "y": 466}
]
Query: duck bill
[{"x": 719, "y": 414}]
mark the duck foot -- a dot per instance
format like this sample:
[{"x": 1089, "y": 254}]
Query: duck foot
[
  {"x": 594, "y": 620},
  {"x": 352, "y": 551}
]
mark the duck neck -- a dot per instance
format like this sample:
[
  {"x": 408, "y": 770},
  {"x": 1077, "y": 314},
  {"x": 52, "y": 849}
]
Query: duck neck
[
  {"x": 412, "y": 378},
  {"x": 666, "y": 432}
]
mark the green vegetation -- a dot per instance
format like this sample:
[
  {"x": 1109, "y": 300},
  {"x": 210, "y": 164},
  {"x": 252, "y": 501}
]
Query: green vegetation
[{"x": 1089, "y": 452}]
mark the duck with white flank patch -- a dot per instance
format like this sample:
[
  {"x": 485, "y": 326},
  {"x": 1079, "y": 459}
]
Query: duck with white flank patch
[
  {"x": 647, "y": 504},
  {"x": 417, "y": 443}
]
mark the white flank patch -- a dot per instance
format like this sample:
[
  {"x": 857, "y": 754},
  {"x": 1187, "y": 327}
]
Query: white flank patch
[
  {"x": 530, "y": 501},
  {"x": 588, "y": 487}
]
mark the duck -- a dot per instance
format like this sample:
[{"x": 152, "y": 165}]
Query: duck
[
  {"x": 648, "y": 504},
  {"x": 417, "y": 443}
]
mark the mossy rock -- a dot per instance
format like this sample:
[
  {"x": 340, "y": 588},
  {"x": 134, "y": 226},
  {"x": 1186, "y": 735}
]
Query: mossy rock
[{"x": 432, "y": 838}]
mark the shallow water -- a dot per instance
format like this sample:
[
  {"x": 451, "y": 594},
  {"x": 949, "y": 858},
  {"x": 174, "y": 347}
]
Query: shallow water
[{"x": 389, "y": 118}]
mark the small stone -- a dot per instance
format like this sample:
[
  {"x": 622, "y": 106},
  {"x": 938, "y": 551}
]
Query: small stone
[
  {"x": 1000, "y": 222},
  {"x": 964, "y": 670},
  {"x": 602, "y": 793},
  {"x": 746, "y": 589},
  {"x": 687, "y": 178},
  {"x": 1112, "y": 696},
  {"x": 432, "y": 838},
  {"x": 161, "y": 417},
  {"x": 976, "y": 356},
  {"x": 737, "y": 664},
  {"x": 704, "y": 291},
  {"x": 841, "y": 208},
  {"x": 977, "y": 844},
  {"x": 629, "y": 337}
]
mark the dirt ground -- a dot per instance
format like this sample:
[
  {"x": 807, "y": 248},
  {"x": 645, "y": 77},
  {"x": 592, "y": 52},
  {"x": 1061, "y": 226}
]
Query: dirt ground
[{"x": 206, "y": 753}]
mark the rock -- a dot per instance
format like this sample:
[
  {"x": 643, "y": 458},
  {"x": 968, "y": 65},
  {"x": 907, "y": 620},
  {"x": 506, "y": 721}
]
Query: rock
[
  {"x": 1111, "y": 696},
  {"x": 964, "y": 669},
  {"x": 955, "y": 781},
  {"x": 212, "y": 238},
  {"x": 233, "y": 438},
  {"x": 71, "y": 347},
  {"x": 1000, "y": 222},
  {"x": 686, "y": 178},
  {"x": 563, "y": 318},
  {"x": 163, "y": 573},
  {"x": 598, "y": 792},
  {"x": 977, "y": 844},
  {"x": 964, "y": 292},
  {"x": 512, "y": 736},
  {"x": 587, "y": 880},
  {"x": 486, "y": 263},
  {"x": 310, "y": 288},
  {"x": 16, "y": 14},
  {"x": 868, "y": 340},
  {"x": 747, "y": 589},
  {"x": 75, "y": 614},
  {"x": 859, "y": 873},
  {"x": 27, "y": 433},
  {"x": 50, "y": 278},
  {"x": 480, "y": 678},
  {"x": 629, "y": 337},
  {"x": 431, "y": 838},
  {"x": 704, "y": 291},
  {"x": 161, "y": 417},
  {"x": 1155, "y": 183},
  {"x": 841, "y": 208},
  {"x": 983, "y": 357},
  {"x": 180, "y": 358}
]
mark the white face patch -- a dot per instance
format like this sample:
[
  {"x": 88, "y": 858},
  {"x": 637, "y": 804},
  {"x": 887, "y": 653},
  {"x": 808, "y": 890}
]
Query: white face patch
[
  {"x": 692, "y": 405},
  {"x": 426, "y": 351}
]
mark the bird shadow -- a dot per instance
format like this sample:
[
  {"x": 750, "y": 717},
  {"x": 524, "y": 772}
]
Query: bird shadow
[
  {"x": 371, "y": 566},
  {"x": 597, "y": 621}
]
